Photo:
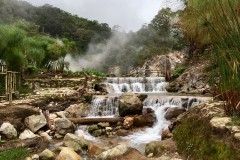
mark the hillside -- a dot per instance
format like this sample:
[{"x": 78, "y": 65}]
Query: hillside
[{"x": 56, "y": 22}]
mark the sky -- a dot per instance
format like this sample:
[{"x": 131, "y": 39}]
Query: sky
[{"x": 130, "y": 15}]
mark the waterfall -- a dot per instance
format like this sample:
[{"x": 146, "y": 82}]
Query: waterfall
[
  {"x": 159, "y": 106},
  {"x": 135, "y": 84},
  {"x": 104, "y": 106}
]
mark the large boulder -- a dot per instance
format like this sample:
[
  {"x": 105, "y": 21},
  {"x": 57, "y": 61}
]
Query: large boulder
[
  {"x": 77, "y": 111},
  {"x": 159, "y": 148},
  {"x": 68, "y": 154},
  {"x": 114, "y": 152},
  {"x": 75, "y": 142},
  {"x": 173, "y": 112},
  {"x": 35, "y": 122},
  {"x": 63, "y": 126},
  {"x": 130, "y": 104},
  {"x": 8, "y": 130}
]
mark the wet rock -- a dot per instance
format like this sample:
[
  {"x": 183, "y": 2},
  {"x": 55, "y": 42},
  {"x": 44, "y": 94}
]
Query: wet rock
[
  {"x": 77, "y": 111},
  {"x": 75, "y": 142},
  {"x": 165, "y": 134},
  {"x": 8, "y": 130},
  {"x": 142, "y": 97},
  {"x": 129, "y": 104},
  {"x": 35, "y": 122},
  {"x": 160, "y": 148},
  {"x": 144, "y": 120},
  {"x": 97, "y": 133},
  {"x": 27, "y": 134},
  {"x": 174, "y": 112},
  {"x": 114, "y": 152},
  {"x": 122, "y": 132},
  {"x": 92, "y": 128},
  {"x": 128, "y": 122},
  {"x": 94, "y": 150},
  {"x": 68, "y": 154},
  {"x": 46, "y": 155},
  {"x": 104, "y": 124},
  {"x": 63, "y": 126},
  {"x": 132, "y": 154}
]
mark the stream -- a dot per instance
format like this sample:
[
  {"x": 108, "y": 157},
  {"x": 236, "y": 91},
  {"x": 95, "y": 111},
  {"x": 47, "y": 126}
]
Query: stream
[{"x": 158, "y": 100}]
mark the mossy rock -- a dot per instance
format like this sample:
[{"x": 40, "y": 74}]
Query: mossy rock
[{"x": 197, "y": 139}]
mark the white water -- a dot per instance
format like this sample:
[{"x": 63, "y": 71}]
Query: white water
[
  {"x": 159, "y": 105},
  {"x": 107, "y": 106},
  {"x": 83, "y": 132},
  {"x": 135, "y": 84}
]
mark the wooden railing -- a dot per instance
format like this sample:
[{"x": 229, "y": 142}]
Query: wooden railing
[{"x": 12, "y": 82}]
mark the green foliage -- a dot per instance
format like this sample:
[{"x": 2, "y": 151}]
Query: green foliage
[
  {"x": 218, "y": 24},
  {"x": 93, "y": 72},
  {"x": 14, "y": 154},
  {"x": 178, "y": 71}
]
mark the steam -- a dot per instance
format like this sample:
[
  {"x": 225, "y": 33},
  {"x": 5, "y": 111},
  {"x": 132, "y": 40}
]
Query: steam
[{"x": 98, "y": 55}]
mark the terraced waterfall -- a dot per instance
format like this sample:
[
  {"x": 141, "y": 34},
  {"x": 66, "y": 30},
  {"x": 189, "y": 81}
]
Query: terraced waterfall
[{"x": 158, "y": 100}]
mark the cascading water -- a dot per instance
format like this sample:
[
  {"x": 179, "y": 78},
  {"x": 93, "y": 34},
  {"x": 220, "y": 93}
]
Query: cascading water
[
  {"x": 159, "y": 105},
  {"x": 135, "y": 84},
  {"x": 104, "y": 106},
  {"x": 158, "y": 100}
]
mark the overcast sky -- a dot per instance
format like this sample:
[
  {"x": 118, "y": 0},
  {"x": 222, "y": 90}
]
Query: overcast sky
[{"x": 128, "y": 14}]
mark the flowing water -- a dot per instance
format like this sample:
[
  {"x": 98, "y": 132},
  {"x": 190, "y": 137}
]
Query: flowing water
[{"x": 158, "y": 100}]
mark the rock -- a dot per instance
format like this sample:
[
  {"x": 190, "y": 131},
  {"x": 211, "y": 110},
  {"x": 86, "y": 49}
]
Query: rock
[
  {"x": 35, "y": 122},
  {"x": 142, "y": 97},
  {"x": 27, "y": 134},
  {"x": 8, "y": 130},
  {"x": 97, "y": 133},
  {"x": 77, "y": 111},
  {"x": 237, "y": 136},
  {"x": 220, "y": 122},
  {"x": 129, "y": 104},
  {"x": 173, "y": 112},
  {"x": 35, "y": 157},
  {"x": 61, "y": 114},
  {"x": 28, "y": 158},
  {"x": 68, "y": 154},
  {"x": 63, "y": 126},
  {"x": 144, "y": 120},
  {"x": 45, "y": 135},
  {"x": 17, "y": 114},
  {"x": 46, "y": 155},
  {"x": 128, "y": 122},
  {"x": 94, "y": 150},
  {"x": 114, "y": 152},
  {"x": 109, "y": 129},
  {"x": 104, "y": 124},
  {"x": 122, "y": 132},
  {"x": 75, "y": 142},
  {"x": 165, "y": 134},
  {"x": 92, "y": 128},
  {"x": 160, "y": 148}
]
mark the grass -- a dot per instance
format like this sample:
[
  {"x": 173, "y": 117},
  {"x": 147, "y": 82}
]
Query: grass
[
  {"x": 14, "y": 154},
  {"x": 179, "y": 70}
]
